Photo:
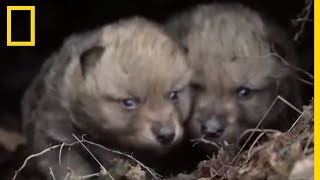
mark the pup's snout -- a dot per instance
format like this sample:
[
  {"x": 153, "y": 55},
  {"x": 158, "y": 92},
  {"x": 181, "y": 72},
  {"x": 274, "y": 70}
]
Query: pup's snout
[
  {"x": 212, "y": 128},
  {"x": 164, "y": 133}
]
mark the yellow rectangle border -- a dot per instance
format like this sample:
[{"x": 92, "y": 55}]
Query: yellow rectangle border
[
  {"x": 316, "y": 90},
  {"x": 32, "y": 26},
  {"x": 316, "y": 69}
]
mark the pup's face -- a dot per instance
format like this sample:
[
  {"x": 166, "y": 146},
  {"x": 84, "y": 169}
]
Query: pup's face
[
  {"x": 233, "y": 94},
  {"x": 137, "y": 91}
]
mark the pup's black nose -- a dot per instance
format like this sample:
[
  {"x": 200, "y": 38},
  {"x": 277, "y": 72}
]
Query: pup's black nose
[
  {"x": 212, "y": 128},
  {"x": 164, "y": 134}
]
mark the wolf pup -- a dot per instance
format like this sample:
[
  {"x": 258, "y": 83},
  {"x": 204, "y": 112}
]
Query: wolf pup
[
  {"x": 124, "y": 85},
  {"x": 239, "y": 59}
]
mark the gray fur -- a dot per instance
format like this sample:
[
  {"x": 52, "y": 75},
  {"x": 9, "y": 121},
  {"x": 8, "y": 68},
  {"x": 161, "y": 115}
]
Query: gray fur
[
  {"x": 74, "y": 93},
  {"x": 231, "y": 45}
]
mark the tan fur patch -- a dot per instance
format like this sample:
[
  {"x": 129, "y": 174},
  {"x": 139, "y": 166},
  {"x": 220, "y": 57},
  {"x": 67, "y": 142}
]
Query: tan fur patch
[
  {"x": 82, "y": 93},
  {"x": 231, "y": 46}
]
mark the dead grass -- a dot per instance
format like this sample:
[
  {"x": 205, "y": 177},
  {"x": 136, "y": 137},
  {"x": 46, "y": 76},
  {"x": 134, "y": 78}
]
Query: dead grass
[
  {"x": 279, "y": 155},
  {"x": 284, "y": 155}
]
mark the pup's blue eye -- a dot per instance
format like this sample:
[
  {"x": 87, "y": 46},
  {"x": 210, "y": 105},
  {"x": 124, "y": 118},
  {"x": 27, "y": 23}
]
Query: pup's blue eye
[
  {"x": 174, "y": 96},
  {"x": 129, "y": 103},
  {"x": 243, "y": 91}
]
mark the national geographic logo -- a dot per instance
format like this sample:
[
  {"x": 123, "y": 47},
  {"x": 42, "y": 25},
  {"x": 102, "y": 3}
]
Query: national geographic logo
[
  {"x": 10, "y": 11},
  {"x": 18, "y": 26}
]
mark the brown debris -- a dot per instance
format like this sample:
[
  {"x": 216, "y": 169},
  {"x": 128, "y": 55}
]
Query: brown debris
[
  {"x": 287, "y": 155},
  {"x": 136, "y": 173},
  {"x": 277, "y": 156}
]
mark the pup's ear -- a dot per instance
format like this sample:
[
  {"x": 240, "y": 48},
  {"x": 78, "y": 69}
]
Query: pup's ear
[
  {"x": 90, "y": 57},
  {"x": 285, "y": 60}
]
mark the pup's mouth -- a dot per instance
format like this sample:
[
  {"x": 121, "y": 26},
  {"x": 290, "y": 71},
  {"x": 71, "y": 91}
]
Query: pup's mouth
[
  {"x": 217, "y": 141},
  {"x": 220, "y": 141}
]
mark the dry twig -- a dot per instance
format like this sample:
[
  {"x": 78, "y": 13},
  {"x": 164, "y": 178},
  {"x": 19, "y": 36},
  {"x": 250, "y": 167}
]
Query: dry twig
[
  {"x": 152, "y": 173},
  {"x": 205, "y": 141},
  {"x": 302, "y": 19},
  {"x": 251, "y": 147},
  {"x": 258, "y": 125},
  {"x": 36, "y": 155},
  {"x": 91, "y": 175},
  {"x": 103, "y": 169},
  {"x": 51, "y": 173},
  {"x": 258, "y": 130},
  {"x": 306, "y": 148},
  {"x": 287, "y": 64}
]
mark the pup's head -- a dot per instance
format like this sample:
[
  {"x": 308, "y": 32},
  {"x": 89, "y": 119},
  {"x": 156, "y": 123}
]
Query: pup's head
[
  {"x": 232, "y": 95},
  {"x": 132, "y": 87},
  {"x": 237, "y": 72}
]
